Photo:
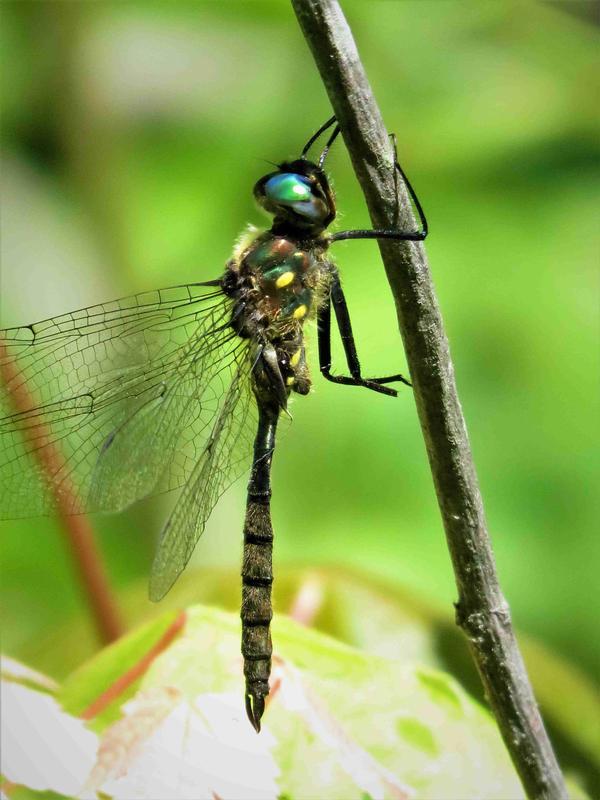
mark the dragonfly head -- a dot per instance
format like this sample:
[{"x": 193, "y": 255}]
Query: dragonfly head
[{"x": 299, "y": 195}]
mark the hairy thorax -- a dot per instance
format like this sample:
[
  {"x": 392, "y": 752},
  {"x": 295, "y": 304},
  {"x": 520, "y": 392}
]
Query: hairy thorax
[{"x": 277, "y": 283}]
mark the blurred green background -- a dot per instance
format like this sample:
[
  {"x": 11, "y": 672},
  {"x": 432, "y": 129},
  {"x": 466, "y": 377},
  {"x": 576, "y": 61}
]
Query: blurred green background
[{"x": 133, "y": 133}]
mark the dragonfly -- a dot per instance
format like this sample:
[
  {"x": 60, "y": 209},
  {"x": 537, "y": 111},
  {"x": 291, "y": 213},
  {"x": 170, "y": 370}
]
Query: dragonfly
[{"x": 184, "y": 388}]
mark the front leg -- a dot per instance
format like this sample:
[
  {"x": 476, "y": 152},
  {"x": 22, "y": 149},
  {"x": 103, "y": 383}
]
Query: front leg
[
  {"x": 392, "y": 233},
  {"x": 338, "y": 301}
]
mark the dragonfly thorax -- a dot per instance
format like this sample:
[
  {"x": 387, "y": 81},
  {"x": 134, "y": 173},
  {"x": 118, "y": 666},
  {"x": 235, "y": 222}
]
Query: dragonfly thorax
[
  {"x": 299, "y": 197},
  {"x": 277, "y": 283}
]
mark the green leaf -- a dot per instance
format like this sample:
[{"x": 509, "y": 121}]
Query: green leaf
[
  {"x": 97, "y": 676},
  {"x": 365, "y": 724},
  {"x": 374, "y": 616}
]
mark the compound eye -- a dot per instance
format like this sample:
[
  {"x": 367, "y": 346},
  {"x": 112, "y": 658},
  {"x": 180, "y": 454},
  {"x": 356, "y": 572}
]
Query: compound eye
[
  {"x": 287, "y": 188},
  {"x": 294, "y": 191}
]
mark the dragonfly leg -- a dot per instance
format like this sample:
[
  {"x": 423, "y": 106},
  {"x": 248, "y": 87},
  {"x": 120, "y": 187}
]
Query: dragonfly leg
[
  {"x": 391, "y": 233},
  {"x": 338, "y": 301},
  {"x": 316, "y": 135}
]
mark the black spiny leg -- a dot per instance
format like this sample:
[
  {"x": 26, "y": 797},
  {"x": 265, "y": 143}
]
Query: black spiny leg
[
  {"x": 355, "y": 378},
  {"x": 391, "y": 233}
]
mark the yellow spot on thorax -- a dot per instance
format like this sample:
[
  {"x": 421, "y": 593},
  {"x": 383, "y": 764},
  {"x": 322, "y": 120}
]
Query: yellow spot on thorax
[
  {"x": 295, "y": 359},
  {"x": 284, "y": 280},
  {"x": 300, "y": 312}
]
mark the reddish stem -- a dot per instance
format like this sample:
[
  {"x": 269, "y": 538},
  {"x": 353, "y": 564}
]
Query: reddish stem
[
  {"x": 125, "y": 680},
  {"x": 78, "y": 532}
]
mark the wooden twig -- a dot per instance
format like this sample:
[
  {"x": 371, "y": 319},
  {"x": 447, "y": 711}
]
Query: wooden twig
[
  {"x": 481, "y": 611},
  {"x": 79, "y": 535}
]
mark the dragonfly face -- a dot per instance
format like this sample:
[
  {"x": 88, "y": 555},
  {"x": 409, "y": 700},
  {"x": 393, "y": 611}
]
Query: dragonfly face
[
  {"x": 298, "y": 195},
  {"x": 182, "y": 388}
]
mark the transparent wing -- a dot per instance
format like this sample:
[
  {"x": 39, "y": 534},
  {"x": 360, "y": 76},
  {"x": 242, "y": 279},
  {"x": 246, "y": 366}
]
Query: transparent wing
[
  {"x": 227, "y": 454},
  {"x": 105, "y": 405}
]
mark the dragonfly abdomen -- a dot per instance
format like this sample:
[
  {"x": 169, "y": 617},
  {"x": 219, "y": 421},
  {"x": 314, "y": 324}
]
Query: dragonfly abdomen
[
  {"x": 256, "y": 613},
  {"x": 257, "y": 568}
]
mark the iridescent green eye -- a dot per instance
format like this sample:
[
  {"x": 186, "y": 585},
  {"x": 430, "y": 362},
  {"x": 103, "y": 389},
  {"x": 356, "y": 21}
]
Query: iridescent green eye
[{"x": 288, "y": 188}]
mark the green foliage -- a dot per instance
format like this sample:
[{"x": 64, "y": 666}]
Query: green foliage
[
  {"x": 340, "y": 723},
  {"x": 367, "y": 614},
  {"x": 90, "y": 680}
]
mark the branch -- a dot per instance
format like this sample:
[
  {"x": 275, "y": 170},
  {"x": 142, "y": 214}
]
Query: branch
[{"x": 481, "y": 611}]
